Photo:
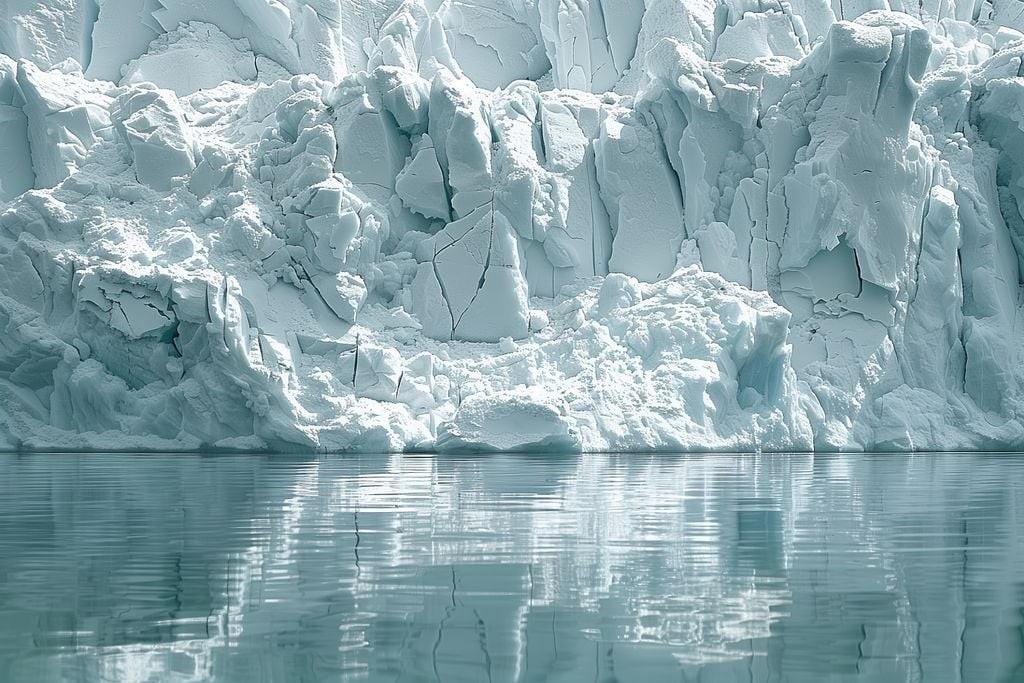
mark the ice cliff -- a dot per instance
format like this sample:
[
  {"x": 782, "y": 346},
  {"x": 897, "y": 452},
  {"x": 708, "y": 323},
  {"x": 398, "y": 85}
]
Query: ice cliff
[{"x": 511, "y": 224}]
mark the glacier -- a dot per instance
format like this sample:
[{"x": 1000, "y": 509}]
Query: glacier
[{"x": 583, "y": 225}]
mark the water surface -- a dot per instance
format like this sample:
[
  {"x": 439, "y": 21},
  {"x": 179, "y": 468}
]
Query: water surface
[{"x": 512, "y": 568}]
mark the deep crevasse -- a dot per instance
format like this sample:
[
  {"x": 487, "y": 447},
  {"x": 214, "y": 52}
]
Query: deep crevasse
[{"x": 511, "y": 224}]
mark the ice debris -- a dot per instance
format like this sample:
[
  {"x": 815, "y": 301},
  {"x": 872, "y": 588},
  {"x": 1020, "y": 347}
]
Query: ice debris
[{"x": 516, "y": 225}]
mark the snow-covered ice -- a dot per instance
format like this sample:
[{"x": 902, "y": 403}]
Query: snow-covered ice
[{"x": 511, "y": 224}]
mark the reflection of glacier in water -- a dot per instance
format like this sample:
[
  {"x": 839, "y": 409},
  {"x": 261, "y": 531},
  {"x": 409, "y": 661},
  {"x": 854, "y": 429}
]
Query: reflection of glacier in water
[{"x": 533, "y": 568}]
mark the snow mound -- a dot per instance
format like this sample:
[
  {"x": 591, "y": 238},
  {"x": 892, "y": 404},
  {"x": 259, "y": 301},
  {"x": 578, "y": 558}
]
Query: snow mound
[
  {"x": 523, "y": 225},
  {"x": 708, "y": 360},
  {"x": 197, "y": 56}
]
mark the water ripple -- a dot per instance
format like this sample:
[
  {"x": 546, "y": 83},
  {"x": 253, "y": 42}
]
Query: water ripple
[{"x": 512, "y": 568}]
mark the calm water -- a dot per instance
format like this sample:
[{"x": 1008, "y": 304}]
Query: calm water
[{"x": 512, "y": 568}]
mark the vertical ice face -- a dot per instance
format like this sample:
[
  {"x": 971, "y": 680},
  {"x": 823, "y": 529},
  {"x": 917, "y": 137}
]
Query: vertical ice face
[
  {"x": 469, "y": 284},
  {"x": 371, "y": 150},
  {"x": 933, "y": 352},
  {"x": 641, "y": 191},
  {"x": 534, "y": 223},
  {"x": 591, "y": 42},
  {"x": 47, "y": 33},
  {"x": 846, "y": 212},
  {"x": 549, "y": 191},
  {"x": 65, "y": 117},
  {"x": 16, "y": 170},
  {"x": 862, "y": 185},
  {"x": 602, "y": 45}
]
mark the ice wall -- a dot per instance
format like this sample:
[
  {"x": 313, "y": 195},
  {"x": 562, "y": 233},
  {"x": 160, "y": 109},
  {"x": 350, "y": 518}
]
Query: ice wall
[{"x": 467, "y": 224}]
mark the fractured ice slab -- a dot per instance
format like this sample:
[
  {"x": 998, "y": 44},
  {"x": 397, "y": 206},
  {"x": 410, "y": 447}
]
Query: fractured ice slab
[
  {"x": 470, "y": 285},
  {"x": 153, "y": 128},
  {"x": 468, "y": 224},
  {"x": 495, "y": 42},
  {"x": 420, "y": 184}
]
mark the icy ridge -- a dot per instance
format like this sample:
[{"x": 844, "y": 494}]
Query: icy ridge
[{"x": 529, "y": 224}]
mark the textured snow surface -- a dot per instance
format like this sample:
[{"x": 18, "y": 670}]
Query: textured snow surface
[{"x": 511, "y": 224}]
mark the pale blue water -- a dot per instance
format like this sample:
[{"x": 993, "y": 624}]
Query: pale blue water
[{"x": 512, "y": 568}]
